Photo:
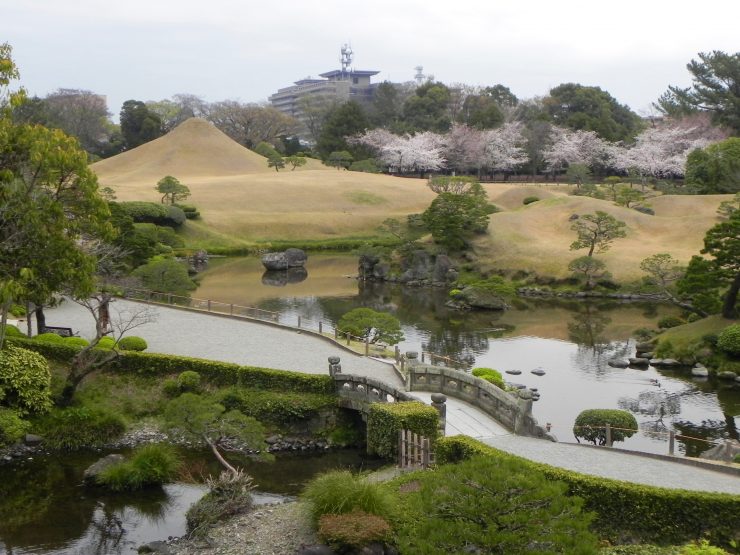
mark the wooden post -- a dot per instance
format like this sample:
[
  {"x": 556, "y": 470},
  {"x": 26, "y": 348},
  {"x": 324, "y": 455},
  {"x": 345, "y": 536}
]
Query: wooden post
[
  {"x": 608, "y": 435},
  {"x": 209, "y": 305},
  {"x": 299, "y": 321},
  {"x": 425, "y": 453},
  {"x": 367, "y": 345},
  {"x": 398, "y": 354},
  {"x": 400, "y": 448},
  {"x": 321, "y": 330},
  {"x": 347, "y": 338},
  {"x": 169, "y": 298},
  {"x": 231, "y": 309},
  {"x": 422, "y": 357},
  {"x": 671, "y": 442}
]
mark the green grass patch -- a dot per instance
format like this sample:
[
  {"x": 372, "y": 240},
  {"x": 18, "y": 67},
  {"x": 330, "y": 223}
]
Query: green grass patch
[
  {"x": 365, "y": 197},
  {"x": 150, "y": 465}
]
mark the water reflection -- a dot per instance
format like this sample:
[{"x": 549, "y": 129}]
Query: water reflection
[{"x": 281, "y": 278}]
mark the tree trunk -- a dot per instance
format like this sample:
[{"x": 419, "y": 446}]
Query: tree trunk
[
  {"x": 728, "y": 307},
  {"x": 40, "y": 318},
  {"x": 219, "y": 456},
  {"x": 29, "y": 320}
]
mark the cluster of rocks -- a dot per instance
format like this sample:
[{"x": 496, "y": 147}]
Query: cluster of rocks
[
  {"x": 29, "y": 447},
  {"x": 278, "y": 443},
  {"x": 420, "y": 268},
  {"x": 472, "y": 296},
  {"x": 372, "y": 549},
  {"x": 540, "y": 292},
  {"x": 290, "y": 258}
]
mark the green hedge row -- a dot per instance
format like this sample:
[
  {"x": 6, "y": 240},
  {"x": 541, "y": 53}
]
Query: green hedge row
[
  {"x": 387, "y": 419},
  {"x": 218, "y": 373},
  {"x": 623, "y": 509},
  {"x": 279, "y": 407}
]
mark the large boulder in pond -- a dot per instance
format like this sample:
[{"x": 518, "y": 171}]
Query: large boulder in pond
[
  {"x": 418, "y": 266},
  {"x": 93, "y": 471},
  {"x": 291, "y": 258},
  {"x": 480, "y": 297}
]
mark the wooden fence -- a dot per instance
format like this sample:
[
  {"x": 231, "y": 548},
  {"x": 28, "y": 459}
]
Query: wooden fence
[{"x": 414, "y": 450}]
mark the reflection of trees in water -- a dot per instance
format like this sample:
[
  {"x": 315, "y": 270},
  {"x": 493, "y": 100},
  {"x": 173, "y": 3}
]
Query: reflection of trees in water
[
  {"x": 706, "y": 430},
  {"x": 657, "y": 403}
]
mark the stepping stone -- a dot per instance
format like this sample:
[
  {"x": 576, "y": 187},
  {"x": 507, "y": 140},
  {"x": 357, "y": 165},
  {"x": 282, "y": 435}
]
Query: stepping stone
[
  {"x": 514, "y": 372},
  {"x": 639, "y": 361},
  {"x": 699, "y": 372},
  {"x": 538, "y": 372},
  {"x": 618, "y": 363}
]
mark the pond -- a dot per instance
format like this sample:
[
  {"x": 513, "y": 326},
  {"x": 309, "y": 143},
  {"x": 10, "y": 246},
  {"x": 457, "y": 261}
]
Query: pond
[
  {"x": 571, "y": 340},
  {"x": 46, "y": 508}
]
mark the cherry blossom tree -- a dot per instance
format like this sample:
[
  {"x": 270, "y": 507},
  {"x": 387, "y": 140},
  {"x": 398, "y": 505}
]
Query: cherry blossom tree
[
  {"x": 575, "y": 147},
  {"x": 465, "y": 148},
  {"x": 504, "y": 147},
  {"x": 421, "y": 152}
]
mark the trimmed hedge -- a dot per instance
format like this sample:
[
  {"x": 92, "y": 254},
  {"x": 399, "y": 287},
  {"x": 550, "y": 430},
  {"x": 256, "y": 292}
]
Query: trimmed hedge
[
  {"x": 650, "y": 514},
  {"x": 387, "y": 419},
  {"x": 490, "y": 375},
  {"x": 728, "y": 340},
  {"x": 212, "y": 371},
  {"x": 13, "y": 331},
  {"x": 590, "y": 425},
  {"x": 279, "y": 407},
  {"x": 153, "y": 213}
]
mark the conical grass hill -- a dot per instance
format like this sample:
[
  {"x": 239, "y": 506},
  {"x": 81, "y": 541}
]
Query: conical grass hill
[{"x": 194, "y": 148}]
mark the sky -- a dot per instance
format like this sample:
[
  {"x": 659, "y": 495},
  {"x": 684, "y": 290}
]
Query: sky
[{"x": 246, "y": 50}]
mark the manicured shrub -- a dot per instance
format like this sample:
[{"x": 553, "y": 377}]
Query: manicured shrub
[
  {"x": 154, "y": 213},
  {"x": 25, "y": 380},
  {"x": 484, "y": 505},
  {"x": 340, "y": 492},
  {"x": 79, "y": 341},
  {"x": 12, "y": 426},
  {"x": 229, "y": 494},
  {"x": 171, "y": 387},
  {"x": 188, "y": 381},
  {"x": 80, "y": 427},
  {"x": 590, "y": 425},
  {"x": 701, "y": 547},
  {"x": 386, "y": 420},
  {"x": 132, "y": 343},
  {"x": 13, "y": 331},
  {"x": 490, "y": 375},
  {"x": 530, "y": 200},
  {"x": 191, "y": 212},
  {"x": 729, "y": 340},
  {"x": 371, "y": 325},
  {"x": 150, "y": 465},
  {"x": 106, "y": 343},
  {"x": 670, "y": 322},
  {"x": 278, "y": 407},
  {"x": 49, "y": 337},
  {"x": 623, "y": 509},
  {"x": 352, "y": 531}
]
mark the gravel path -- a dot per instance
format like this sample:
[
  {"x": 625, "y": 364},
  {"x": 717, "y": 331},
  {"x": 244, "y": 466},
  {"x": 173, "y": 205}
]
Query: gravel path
[
  {"x": 194, "y": 334},
  {"x": 618, "y": 465},
  {"x": 268, "y": 530}
]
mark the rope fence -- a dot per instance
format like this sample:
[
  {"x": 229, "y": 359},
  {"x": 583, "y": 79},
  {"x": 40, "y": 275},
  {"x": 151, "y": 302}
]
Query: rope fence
[{"x": 671, "y": 436}]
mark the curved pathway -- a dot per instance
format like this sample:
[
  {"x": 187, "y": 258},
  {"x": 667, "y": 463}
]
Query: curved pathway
[
  {"x": 197, "y": 334},
  {"x": 202, "y": 335}
]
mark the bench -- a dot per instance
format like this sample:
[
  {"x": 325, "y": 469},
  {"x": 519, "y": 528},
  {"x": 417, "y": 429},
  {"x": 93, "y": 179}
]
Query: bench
[{"x": 63, "y": 332}]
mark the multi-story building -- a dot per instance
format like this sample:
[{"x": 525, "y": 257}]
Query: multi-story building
[{"x": 339, "y": 85}]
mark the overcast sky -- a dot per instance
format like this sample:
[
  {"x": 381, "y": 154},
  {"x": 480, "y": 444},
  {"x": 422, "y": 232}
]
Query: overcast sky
[{"x": 247, "y": 49}]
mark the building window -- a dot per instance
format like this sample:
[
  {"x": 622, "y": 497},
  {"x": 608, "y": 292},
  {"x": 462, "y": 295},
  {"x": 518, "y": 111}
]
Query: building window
[{"x": 355, "y": 80}]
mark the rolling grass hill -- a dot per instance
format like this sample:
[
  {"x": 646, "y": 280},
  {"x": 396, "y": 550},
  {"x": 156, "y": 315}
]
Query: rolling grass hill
[{"x": 242, "y": 202}]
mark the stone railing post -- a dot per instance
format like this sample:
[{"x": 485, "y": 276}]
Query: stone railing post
[
  {"x": 334, "y": 366},
  {"x": 439, "y": 402}
]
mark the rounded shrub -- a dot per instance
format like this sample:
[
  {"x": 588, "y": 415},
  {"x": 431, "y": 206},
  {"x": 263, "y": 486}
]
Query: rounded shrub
[
  {"x": 25, "y": 380},
  {"x": 132, "y": 343},
  {"x": 490, "y": 375},
  {"x": 171, "y": 387},
  {"x": 12, "y": 331},
  {"x": 353, "y": 531},
  {"x": 340, "y": 492},
  {"x": 530, "y": 200},
  {"x": 106, "y": 343},
  {"x": 79, "y": 341},
  {"x": 729, "y": 340},
  {"x": 591, "y": 423},
  {"x": 49, "y": 338},
  {"x": 150, "y": 465},
  {"x": 12, "y": 427},
  {"x": 670, "y": 322},
  {"x": 188, "y": 381}
]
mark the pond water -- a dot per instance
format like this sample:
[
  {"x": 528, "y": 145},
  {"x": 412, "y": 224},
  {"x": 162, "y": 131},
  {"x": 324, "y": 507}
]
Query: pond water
[
  {"x": 46, "y": 508},
  {"x": 571, "y": 340}
]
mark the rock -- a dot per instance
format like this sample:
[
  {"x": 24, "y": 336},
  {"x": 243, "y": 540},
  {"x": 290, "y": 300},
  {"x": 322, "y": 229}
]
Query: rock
[
  {"x": 618, "y": 363},
  {"x": 517, "y": 385},
  {"x": 479, "y": 297},
  {"x": 155, "y": 547},
  {"x": 656, "y": 361},
  {"x": 514, "y": 372},
  {"x": 725, "y": 451},
  {"x": 647, "y": 355},
  {"x": 296, "y": 258},
  {"x": 727, "y": 375},
  {"x": 525, "y": 394},
  {"x": 32, "y": 439},
  {"x": 92, "y": 471},
  {"x": 644, "y": 347},
  {"x": 418, "y": 266},
  {"x": 639, "y": 361},
  {"x": 272, "y": 440},
  {"x": 538, "y": 372},
  {"x": 381, "y": 271},
  {"x": 699, "y": 372},
  {"x": 670, "y": 362},
  {"x": 280, "y": 278},
  {"x": 316, "y": 550},
  {"x": 291, "y": 258},
  {"x": 573, "y": 217},
  {"x": 443, "y": 271},
  {"x": 372, "y": 549}
]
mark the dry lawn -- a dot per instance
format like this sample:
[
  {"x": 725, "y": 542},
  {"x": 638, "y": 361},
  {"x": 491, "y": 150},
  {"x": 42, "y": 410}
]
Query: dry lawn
[{"x": 242, "y": 201}]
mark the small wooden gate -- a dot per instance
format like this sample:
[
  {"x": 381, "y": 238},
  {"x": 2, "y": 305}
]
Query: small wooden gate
[{"x": 414, "y": 450}]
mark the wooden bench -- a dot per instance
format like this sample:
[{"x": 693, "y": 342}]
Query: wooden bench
[{"x": 63, "y": 332}]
